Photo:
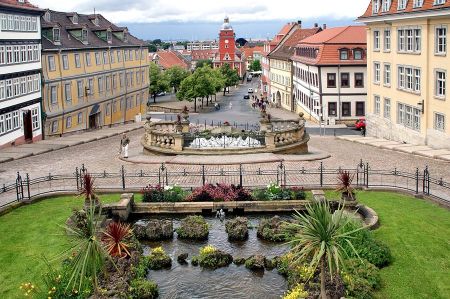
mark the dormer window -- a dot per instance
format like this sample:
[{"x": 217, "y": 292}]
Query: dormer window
[
  {"x": 47, "y": 16},
  {"x": 75, "y": 19},
  {"x": 402, "y": 4},
  {"x": 84, "y": 35},
  {"x": 21, "y": 1},
  {"x": 109, "y": 36},
  {"x": 125, "y": 35},
  {"x": 386, "y": 5},
  {"x": 343, "y": 54},
  {"x": 375, "y": 6},
  {"x": 56, "y": 35},
  {"x": 358, "y": 54}
]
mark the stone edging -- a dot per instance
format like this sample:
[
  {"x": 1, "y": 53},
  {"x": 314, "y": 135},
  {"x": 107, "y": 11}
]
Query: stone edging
[{"x": 371, "y": 218}]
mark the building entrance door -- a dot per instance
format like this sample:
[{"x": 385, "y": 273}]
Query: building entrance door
[
  {"x": 93, "y": 121},
  {"x": 27, "y": 126}
]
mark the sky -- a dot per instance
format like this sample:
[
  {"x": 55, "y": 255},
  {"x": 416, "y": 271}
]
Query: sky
[{"x": 200, "y": 19}]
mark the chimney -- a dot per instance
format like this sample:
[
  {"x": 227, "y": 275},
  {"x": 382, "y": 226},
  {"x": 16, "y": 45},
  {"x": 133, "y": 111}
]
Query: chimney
[
  {"x": 299, "y": 22},
  {"x": 324, "y": 26},
  {"x": 316, "y": 25}
]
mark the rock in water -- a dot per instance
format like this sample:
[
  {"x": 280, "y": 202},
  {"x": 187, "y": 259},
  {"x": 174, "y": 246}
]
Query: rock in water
[{"x": 237, "y": 229}]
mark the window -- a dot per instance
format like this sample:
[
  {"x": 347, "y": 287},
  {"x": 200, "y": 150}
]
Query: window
[
  {"x": 109, "y": 36},
  {"x": 331, "y": 80},
  {"x": 88, "y": 59},
  {"x": 417, "y": 80},
  {"x": 108, "y": 83},
  {"x": 440, "y": 83},
  {"x": 84, "y": 35},
  {"x": 80, "y": 92},
  {"x": 408, "y": 116},
  {"x": 105, "y": 57},
  {"x": 375, "y": 6},
  {"x": 417, "y": 3},
  {"x": 439, "y": 2},
  {"x": 35, "y": 123},
  {"x": 346, "y": 109},
  {"x": 387, "y": 108},
  {"x": 344, "y": 54},
  {"x": 65, "y": 60},
  {"x": 441, "y": 40},
  {"x": 358, "y": 54},
  {"x": 80, "y": 118},
  {"x": 8, "y": 122},
  {"x": 2, "y": 124},
  {"x": 360, "y": 108},
  {"x": 377, "y": 104},
  {"x": 16, "y": 119},
  {"x": 51, "y": 63},
  {"x": 386, "y": 5},
  {"x": 402, "y": 4},
  {"x": 90, "y": 86},
  {"x": 409, "y": 78},
  {"x": 376, "y": 72},
  {"x": 97, "y": 58},
  {"x": 121, "y": 80},
  {"x": 359, "y": 80},
  {"x": 401, "y": 40},
  {"x": 54, "y": 126},
  {"x": 2, "y": 90},
  {"x": 376, "y": 40},
  {"x": 112, "y": 57},
  {"x": 345, "y": 80},
  {"x": 387, "y": 74},
  {"x": 56, "y": 35},
  {"x": 53, "y": 95},
  {"x": 68, "y": 92},
  {"x": 77, "y": 61},
  {"x": 68, "y": 122},
  {"x": 409, "y": 40},
  {"x": 417, "y": 40},
  {"x": 387, "y": 40},
  {"x": 100, "y": 84},
  {"x": 119, "y": 56},
  {"x": 439, "y": 122},
  {"x": 332, "y": 109}
]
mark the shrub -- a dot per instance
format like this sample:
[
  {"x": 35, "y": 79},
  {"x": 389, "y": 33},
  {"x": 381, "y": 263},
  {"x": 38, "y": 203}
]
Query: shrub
[
  {"x": 158, "y": 259},
  {"x": 193, "y": 227},
  {"x": 212, "y": 258},
  {"x": 298, "y": 193},
  {"x": 360, "y": 279},
  {"x": 275, "y": 192},
  {"x": 115, "y": 239},
  {"x": 174, "y": 194},
  {"x": 141, "y": 288},
  {"x": 152, "y": 194},
  {"x": 260, "y": 195},
  {"x": 367, "y": 247},
  {"x": 220, "y": 192}
]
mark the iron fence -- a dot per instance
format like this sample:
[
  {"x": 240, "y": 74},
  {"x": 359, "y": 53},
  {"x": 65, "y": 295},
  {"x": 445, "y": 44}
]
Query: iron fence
[{"x": 258, "y": 175}]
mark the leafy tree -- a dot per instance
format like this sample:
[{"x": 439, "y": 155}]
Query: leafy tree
[
  {"x": 255, "y": 66},
  {"x": 175, "y": 75},
  {"x": 203, "y": 62},
  {"x": 157, "y": 41},
  {"x": 152, "y": 48},
  {"x": 187, "y": 91},
  {"x": 158, "y": 81},
  {"x": 231, "y": 76},
  {"x": 316, "y": 237}
]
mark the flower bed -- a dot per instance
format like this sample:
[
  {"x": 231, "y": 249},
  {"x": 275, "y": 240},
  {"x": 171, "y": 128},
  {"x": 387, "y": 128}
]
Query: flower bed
[{"x": 212, "y": 258}]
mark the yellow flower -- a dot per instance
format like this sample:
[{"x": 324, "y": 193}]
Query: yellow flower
[
  {"x": 298, "y": 292},
  {"x": 158, "y": 250},
  {"x": 207, "y": 250}
]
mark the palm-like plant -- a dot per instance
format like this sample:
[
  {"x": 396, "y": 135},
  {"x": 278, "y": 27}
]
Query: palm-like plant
[
  {"x": 345, "y": 179},
  {"x": 115, "y": 238},
  {"x": 88, "y": 190},
  {"x": 90, "y": 255},
  {"x": 316, "y": 237}
]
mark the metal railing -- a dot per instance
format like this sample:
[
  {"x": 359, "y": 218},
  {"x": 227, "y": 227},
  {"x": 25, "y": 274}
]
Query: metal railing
[{"x": 258, "y": 175}]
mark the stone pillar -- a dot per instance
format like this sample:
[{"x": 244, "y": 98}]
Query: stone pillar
[
  {"x": 179, "y": 140},
  {"x": 270, "y": 140},
  {"x": 185, "y": 125}
]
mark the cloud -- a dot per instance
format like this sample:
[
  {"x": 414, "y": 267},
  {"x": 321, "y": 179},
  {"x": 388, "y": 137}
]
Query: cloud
[{"x": 156, "y": 11}]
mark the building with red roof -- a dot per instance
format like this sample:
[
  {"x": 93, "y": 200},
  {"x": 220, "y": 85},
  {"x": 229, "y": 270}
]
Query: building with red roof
[
  {"x": 330, "y": 73},
  {"x": 280, "y": 63},
  {"x": 166, "y": 59},
  {"x": 409, "y": 67},
  {"x": 252, "y": 53}
]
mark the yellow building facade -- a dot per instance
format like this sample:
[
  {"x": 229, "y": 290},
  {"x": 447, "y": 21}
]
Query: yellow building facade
[
  {"x": 408, "y": 67},
  {"x": 281, "y": 83},
  {"x": 95, "y": 74}
]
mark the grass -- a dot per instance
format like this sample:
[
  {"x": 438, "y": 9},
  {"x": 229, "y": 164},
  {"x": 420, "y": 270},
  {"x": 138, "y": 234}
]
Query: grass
[
  {"x": 29, "y": 233},
  {"x": 418, "y": 233}
]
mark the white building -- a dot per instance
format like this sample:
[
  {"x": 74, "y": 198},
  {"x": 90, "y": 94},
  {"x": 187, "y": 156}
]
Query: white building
[
  {"x": 203, "y": 45},
  {"x": 20, "y": 73},
  {"x": 330, "y": 74}
]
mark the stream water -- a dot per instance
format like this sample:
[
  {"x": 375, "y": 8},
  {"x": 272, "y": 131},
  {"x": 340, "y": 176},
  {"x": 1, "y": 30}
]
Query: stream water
[{"x": 189, "y": 282}]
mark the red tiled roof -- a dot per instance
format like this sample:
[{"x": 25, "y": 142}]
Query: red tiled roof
[
  {"x": 248, "y": 52},
  {"x": 168, "y": 59},
  {"x": 330, "y": 41},
  {"x": 16, "y": 4},
  {"x": 428, "y": 5},
  {"x": 286, "y": 49},
  {"x": 203, "y": 54}
]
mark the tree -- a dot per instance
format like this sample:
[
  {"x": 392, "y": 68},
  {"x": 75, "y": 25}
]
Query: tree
[
  {"x": 158, "y": 81},
  {"x": 203, "y": 62},
  {"x": 255, "y": 66},
  {"x": 317, "y": 237},
  {"x": 175, "y": 75},
  {"x": 231, "y": 76},
  {"x": 152, "y": 48}
]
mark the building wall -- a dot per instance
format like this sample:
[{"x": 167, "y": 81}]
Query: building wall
[
  {"x": 395, "y": 125},
  {"x": 281, "y": 82},
  {"x": 119, "y": 88},
  {"x": 23, "y": 72}
]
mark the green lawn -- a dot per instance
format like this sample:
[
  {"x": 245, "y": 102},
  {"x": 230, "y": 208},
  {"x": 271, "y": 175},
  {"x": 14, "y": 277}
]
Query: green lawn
[{"x": 418, "y": 233}]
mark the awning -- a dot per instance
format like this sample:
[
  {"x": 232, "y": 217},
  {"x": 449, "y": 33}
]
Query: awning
[{"x": 95, "y": 109}]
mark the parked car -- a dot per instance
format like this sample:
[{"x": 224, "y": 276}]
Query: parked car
[
  {"x": 249, "y": 78},
  {"x": 163, "y": 93},
  {"x": 246, "y": 97},
  {"x": 250, "y": 90},
  {"x": 360, "y": 123}
]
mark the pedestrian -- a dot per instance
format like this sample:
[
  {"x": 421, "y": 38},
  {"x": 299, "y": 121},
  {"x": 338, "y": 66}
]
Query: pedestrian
[
  {"x": 124, "y": 142},
  {"x": 231, "y": 105}
]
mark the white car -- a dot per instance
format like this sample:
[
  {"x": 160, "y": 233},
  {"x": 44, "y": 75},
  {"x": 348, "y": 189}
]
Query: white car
[{"x": 250, "y": 90}]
